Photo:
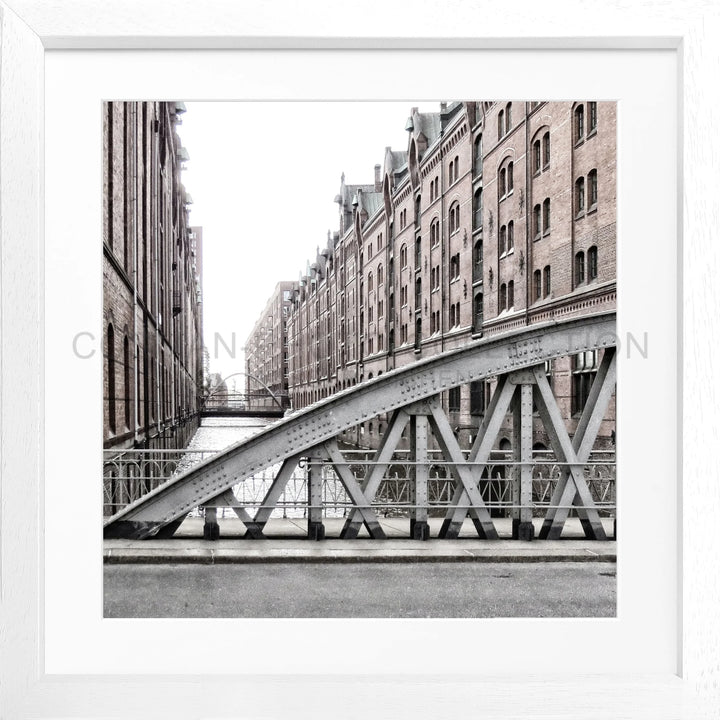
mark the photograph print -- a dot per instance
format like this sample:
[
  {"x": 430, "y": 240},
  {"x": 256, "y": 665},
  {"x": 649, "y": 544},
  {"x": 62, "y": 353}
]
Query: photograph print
[{"x": 367, "y": 368}]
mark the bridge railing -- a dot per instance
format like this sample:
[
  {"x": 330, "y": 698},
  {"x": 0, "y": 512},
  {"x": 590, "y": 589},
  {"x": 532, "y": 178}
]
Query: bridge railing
[{"x": 130, "y": 474}]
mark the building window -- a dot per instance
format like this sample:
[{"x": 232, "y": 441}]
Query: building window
[
  {"x": 537, "y": 284},
  {"x": 126, "y": 381},
  {"x": 511, "y": 294},
  {"x": 579, "y": 268},
  {"x": 478, "y": 212},
  {"x": 537, "y": 227},
  {"x": 478, "y": 314},
  {"x": 592, "y": 117},
  {"x": 435, "y": 233},
  {"x": 536, "y": 157},
  {"x": 579, "y": 196},
  {"x": 510, "y": 178},
  {"x": 380, "y": 276},
  {"x": 478, "y": 261},
  {"x": 503, "y": 183},
  {"x": 418, "y": 332},
  {"x": 370, "y": 283},
  {"x": 592, "y": 263},
  {"x": 478, "y": 155},
  {"x": 452, "y": 315},
  {"x": 403, "y": 256},
  {"x": 501, "y": 124},
  {"x": 503, "y": 240},
  {"x": 508, "y": 117},
  {"x": 584, "y": 369},
  {"x": 479, "y": 397},
  {"x": 510, "y": 236},
  {"x": 371, "y": 314},
  {"x": 111, "y": 377},
  {"x": 546, "y": 216},
  {"x": 454, "y": 399},
  {"x": 546, "y": 150},
  {"x": 579, "y": 123},
  {"x": 404, "y": 296},
  {"x": 455, "y": 267},
  {"x": 546, "y": 272},
  {"x": 455, "y": 218},
  {"x": 503, "y": 297},
  {"x": 592, "y": 190},
  {"x": 380, "y": 309},
  {"x": 418, "y": 293}
]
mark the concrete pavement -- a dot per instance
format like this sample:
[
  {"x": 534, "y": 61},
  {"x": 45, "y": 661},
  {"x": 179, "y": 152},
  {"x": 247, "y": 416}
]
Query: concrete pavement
[{"x": 287, "y": 543}]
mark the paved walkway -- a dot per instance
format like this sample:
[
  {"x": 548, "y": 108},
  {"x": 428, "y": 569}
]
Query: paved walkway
[{"x": 287, "y": 542}]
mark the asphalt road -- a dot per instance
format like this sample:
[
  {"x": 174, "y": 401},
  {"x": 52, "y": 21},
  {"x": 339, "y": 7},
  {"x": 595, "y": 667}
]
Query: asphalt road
[{"x": 420, "y": 590}]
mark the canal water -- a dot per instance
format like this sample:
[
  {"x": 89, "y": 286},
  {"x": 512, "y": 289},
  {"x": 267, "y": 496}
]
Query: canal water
[{"x": 215, "y": 434}]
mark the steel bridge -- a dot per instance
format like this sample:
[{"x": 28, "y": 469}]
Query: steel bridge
[
  {"x": 252, "y": 404},
  {"x": 410, "y": 396}
]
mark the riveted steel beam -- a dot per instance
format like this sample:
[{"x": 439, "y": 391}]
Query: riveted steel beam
[
  {"x": 419, "y": 528},
  {"x": 325, "y": 419},
  {"x": 361, "y": 502},
  {"x": 479, "y": 454}
]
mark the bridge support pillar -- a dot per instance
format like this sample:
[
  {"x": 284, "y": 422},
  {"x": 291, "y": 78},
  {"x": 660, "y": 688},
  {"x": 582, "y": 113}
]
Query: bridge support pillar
[
  {"x": 419, "y": 528},
  {"x": 316, "y": 529},
  {"x": 211, "y": 529},
  {"x": 522, "y": 525}
]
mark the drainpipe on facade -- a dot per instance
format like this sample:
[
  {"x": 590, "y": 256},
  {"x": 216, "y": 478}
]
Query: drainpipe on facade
[
  {"x": 442, "y": 240},
  {"x": 158, "y": 309}
]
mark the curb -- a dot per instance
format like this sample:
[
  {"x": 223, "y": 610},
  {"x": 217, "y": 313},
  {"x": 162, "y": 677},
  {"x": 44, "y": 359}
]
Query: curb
[{"x": 216, "y": 557}]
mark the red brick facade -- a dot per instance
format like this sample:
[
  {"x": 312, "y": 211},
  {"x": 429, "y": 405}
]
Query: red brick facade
[
  {"x": 152, "y": 330},
  {"x": 496, "y": 216}
]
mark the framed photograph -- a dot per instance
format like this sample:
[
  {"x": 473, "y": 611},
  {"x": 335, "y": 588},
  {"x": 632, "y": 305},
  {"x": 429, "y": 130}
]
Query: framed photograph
[{"x": 657, "y": 658}]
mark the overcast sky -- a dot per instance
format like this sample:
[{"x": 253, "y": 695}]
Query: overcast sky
[{"x": 263, "y": 176}]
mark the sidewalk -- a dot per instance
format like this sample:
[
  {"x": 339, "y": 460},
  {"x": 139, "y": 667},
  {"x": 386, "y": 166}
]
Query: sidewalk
[{"x": 287, "y": 543}]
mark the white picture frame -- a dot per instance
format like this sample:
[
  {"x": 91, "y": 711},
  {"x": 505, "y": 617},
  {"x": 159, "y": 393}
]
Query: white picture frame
[{"x": 31, "y": 28}]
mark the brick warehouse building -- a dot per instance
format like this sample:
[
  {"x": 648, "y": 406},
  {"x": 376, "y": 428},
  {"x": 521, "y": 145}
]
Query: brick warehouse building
[
  {"x": 152, "y": 334},
  {"x": 498, "y": 215},
  {"x": 266, "y": 352}
]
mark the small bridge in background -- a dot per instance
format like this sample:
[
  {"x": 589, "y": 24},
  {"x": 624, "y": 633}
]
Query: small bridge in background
[{"x": 252, "y": 404}]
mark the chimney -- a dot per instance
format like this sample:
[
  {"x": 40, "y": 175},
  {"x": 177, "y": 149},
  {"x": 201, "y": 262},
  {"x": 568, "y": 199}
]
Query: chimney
[{"x": 378, "y": 183}]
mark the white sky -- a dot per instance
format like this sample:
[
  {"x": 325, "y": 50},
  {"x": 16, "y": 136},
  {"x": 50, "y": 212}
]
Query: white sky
[{"x": 262, "y": 176}]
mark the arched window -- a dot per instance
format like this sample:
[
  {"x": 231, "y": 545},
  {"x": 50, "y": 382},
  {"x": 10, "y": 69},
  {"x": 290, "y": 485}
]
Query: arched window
[
  {"x": 579, "y": 196},
  {"x": 592, "y": 189},
  {"x": 579, "y": 123},
  {"x": 452, "y": 315},
  {"x": 537, "y": 286},
  {"x": 501, "y": 124},
  {"x": 478, "y": 155},
  {"x": 537, "y": 227},
  {"x": 111, "y": 377},
  {"x": 370, "y": 283},
  {"x": 380, "y": 275},
  {"x": 592, "y": 263},
  {"x": 510, "y": 236},
  {"x": 508, "y": 117},
  {"x": 548, "y": 286},
  {"x": 537, "y": 161},
  {"x": 546, "y": 150},
  {"x": 455, "y": 217},
  {"x": 592, "y": 117},
  {"x": 403, "y": 256},
  {"x": 546, "y": 216},
  {"x": 435, "y": 233},
  {"x": 478, "y": 314},
  {"x": 503, "y": 183},
  {"x": 511, "y": 294},
  {"x": 478, "y": 210},
  {"x": 502, "y": 249},
  {"x": 510, "y": 177},
  {"x": 478, "y": 261},
  {"x": 579, "y": 268},
  {"x": 418, "y": 332},
  {"x": 503, "y": 297},
  {"x": 126, "y": 380}
]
